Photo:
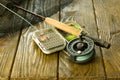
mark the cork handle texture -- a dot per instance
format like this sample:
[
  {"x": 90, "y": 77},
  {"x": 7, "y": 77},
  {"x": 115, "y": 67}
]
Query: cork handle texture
[{"x": 63, "y": 26}]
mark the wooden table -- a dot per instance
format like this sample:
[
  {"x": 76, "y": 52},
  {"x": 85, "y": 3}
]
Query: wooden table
[{"x": 20, "y": 58}]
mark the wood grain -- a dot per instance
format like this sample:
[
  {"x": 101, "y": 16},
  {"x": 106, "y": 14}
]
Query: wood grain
[
  {"x": 108, "y": 21},
  {"x": 101, "y": 19},
  {"x": 8, "y": 47},
  {"x": 30, "y": 61},
  {"x": 82, "y": 12},
  {"x": 9, "y": 44}
]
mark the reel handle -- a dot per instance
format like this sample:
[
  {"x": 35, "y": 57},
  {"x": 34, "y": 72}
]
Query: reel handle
[{"x": 98, "y": 42}]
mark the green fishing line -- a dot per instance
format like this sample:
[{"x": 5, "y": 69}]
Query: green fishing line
[{"x": 85, "y": 57}]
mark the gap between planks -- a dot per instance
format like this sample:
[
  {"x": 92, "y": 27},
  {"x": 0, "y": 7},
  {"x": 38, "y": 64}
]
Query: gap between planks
[
  {"x": 19, "y": 37},
  {"x": 98, "y": 37}
]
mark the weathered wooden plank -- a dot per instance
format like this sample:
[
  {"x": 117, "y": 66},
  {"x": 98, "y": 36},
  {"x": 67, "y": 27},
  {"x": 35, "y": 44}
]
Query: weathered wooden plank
[
  {"x": 7, "y": 51},
  {"x": 108, "y": 21},
  {"x": 30, "y": 61},
  {"x": 8, "y": 46},
  {"x": 82, "y": 11}
]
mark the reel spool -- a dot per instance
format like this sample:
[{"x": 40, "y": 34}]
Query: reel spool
[{"x": 81, "y": 51}]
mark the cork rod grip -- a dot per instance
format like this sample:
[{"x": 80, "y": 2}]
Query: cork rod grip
[{"x": 63, "y": 26}]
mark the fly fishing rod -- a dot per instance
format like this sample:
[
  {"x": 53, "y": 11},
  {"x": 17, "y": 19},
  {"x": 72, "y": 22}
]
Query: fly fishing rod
[
  {"x": 53, "y": 22},
  {"x": 66, "y": 28},
  {"x": 80, "y": 49}
]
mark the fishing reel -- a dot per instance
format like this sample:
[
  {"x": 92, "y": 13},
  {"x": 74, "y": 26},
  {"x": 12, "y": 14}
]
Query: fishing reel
[{"x": 82, "y": 49}]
